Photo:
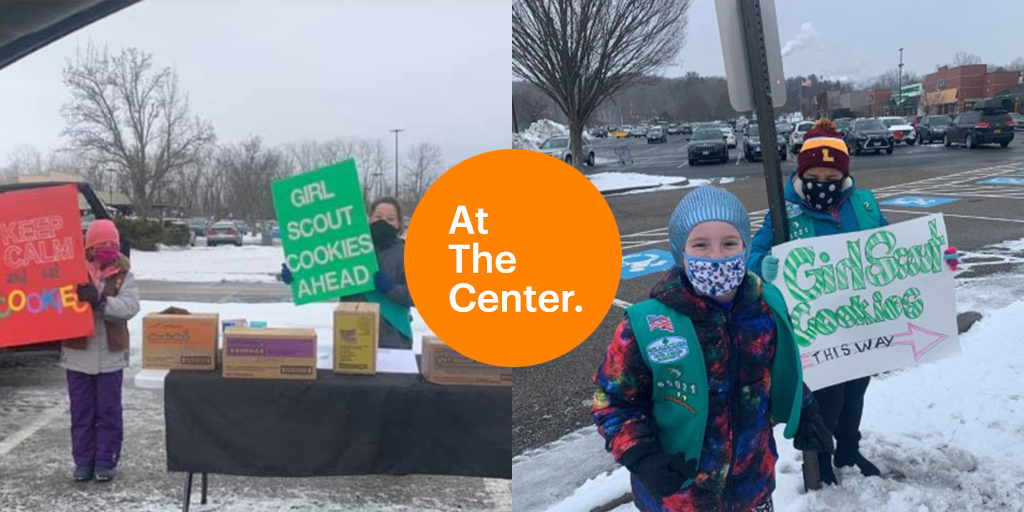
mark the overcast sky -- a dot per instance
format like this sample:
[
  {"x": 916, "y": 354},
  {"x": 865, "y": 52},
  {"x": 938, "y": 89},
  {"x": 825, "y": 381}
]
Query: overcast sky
[
  {"x": 300, "y": 70},
  {"x": 861, "y": 39}
]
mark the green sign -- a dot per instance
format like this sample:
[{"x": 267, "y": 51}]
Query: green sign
[{"x": 325, "y": 233}]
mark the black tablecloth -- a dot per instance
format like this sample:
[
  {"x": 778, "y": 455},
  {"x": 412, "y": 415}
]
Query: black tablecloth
[{"x": 336, "y": 425}]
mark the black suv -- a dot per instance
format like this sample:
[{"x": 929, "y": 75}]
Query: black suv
[
  {"x": 868, "y": 134},
  {"x": 932, "y": 128},
  {"x": 707, "y": 144},
  {"x": 987, "y": 124},
  {"x": 752, "y": 144}
]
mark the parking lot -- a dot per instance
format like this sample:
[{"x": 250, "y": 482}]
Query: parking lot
[{"x": 979, "y": 192}]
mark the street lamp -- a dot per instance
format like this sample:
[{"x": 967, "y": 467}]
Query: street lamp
[
  {"x": 899, "y": 95},
  {"x": 396, "y": 131}
]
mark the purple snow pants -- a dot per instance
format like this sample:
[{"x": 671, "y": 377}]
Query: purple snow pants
[{"x": 97, "y": 427}]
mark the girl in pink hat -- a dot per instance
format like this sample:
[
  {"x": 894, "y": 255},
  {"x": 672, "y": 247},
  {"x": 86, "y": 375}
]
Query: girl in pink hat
[{"x": 95, "y": 365}]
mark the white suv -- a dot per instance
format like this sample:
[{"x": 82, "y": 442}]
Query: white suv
[{"x": 558, "y": 147}]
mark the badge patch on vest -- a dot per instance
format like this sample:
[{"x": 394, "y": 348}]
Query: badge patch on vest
[
  {"x": 675, "y": 390},
  {"x": 793, "y": 210},
  {"x": 659, "y": 323},
  {"x": 668, "y": 349}
]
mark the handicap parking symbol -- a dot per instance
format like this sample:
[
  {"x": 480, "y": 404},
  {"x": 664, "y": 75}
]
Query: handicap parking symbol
[
  {"x": 1002, "y": 181},
  {"x": 645, "y": 262},
  {"x": 919, "y": 201}
]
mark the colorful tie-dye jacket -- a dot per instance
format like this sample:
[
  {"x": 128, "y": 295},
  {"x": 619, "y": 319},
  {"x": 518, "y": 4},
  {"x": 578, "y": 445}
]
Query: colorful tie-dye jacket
[{"x": 737, "y": 464}]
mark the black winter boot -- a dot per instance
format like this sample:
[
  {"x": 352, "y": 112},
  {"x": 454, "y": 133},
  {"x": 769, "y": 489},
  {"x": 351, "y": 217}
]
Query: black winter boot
[
  {"x": 848, "y": 454},
  {"x": 828, "y": 476}
]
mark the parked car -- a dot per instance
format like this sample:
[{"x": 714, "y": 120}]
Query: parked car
[
  {"x": 558, "y": 147},
  {"x": 915, "y": 121},
  {"x": 901, "y": 130},
  {"x": 932, "y": 128},
  {"x": 199, "y": 225},
  {"x": 224, "y": 232},
  {"x": 621, "y": 132},
  {"x": 796, "y": 140},
  {"x": 686, "y": 129},
  {"x": 842, "y": 125},
  {"x": 656, "y": 134},
  {"x": 730, "y": 137},
  {"x": 868, "y": 134},
  {"x": 752, "y": 144},
  {"x": 638, "y": 131},
  {"x": 244, "y": 228},
  {"x": 987, "y": 125},
  {"x": 1018, "y": 121},
  {"x": 707, "y": 144},
  {"x": 600, "y": 132},
  {"x": 784, "y": 128},
  {"x": 673, "y": 129}
]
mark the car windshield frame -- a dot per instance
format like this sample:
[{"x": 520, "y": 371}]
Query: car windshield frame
[
  {"x": 947, "y": 120},
  {"x": 863, "y": 124},
  {"x": 710, "y": 134},
  {"x": 809, "y": 126},
  {"x": 555, "y": 139}
]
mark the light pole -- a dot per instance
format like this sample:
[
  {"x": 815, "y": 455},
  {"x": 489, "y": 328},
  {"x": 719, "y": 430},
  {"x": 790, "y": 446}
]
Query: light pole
[
  {"x": 396, "y": 131},
  {"x": 899, "y": 95}
]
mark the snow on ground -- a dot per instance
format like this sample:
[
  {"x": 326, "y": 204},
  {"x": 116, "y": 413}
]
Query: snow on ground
[
  {"x": 607, "y": 181},
  {"x": 248, "y": 264},
  {"x": 948, "y": 435},
  {"x": 538, "y": 132}
]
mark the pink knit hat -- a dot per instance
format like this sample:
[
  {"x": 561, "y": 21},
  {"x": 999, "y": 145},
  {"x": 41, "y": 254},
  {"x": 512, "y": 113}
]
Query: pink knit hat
[{"x": 100, "y": 231}]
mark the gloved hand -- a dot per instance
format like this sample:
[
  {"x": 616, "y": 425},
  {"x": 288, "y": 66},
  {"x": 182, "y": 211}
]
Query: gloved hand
[
  {"x": 952, "y": 257},
  {"x": 812, "y": 434},
  {"x": 286, "y": 274},
  {"x": 663, "y": 474},
  {"x": 89, "y": 293},
  {"x": 382, "y": 282},
  {"x": 769, "y": 268}
]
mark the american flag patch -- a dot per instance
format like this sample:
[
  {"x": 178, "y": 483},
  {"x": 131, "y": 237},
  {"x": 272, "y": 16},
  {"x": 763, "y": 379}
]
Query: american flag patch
[{"x": 659, "y": 322}]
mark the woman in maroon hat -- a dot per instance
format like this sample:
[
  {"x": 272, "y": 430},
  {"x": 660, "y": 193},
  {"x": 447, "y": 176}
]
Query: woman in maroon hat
[{"x": 822, "y": 199}]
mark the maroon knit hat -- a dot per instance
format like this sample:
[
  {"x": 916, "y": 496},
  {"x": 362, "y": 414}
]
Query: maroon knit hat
[{"x": 823, "y": 147}]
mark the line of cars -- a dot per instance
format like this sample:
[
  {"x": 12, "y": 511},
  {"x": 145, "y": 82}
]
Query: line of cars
[{"x": 222, "y": 232}]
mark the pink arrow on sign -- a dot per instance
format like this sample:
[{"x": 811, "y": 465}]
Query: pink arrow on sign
[
  {"x": 920, "y": 343},
  {"x": 807, "y": 360}
]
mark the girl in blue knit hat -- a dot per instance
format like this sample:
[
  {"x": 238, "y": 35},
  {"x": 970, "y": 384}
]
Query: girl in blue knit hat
[{"x": 696, "y": 375}]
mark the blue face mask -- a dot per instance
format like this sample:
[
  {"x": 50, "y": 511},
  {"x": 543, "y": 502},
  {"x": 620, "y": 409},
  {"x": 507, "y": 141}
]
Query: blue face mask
[{"x": 716, "y": 277}]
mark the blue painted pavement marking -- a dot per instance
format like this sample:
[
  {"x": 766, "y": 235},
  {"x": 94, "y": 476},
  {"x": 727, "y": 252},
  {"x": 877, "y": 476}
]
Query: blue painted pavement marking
[
  {"x": 1002, "y": 181},
  {"x": 919, "y": 201},
  {"x": 645, "y": 262}
]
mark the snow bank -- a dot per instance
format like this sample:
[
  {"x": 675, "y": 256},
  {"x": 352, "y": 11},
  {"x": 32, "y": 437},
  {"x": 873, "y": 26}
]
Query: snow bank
[
  {"x": 608, "y": 181},
  {"x": 538, "y": 132},
  {"x": 947, "y": 436},
  {"x": 247, "y": 264}
]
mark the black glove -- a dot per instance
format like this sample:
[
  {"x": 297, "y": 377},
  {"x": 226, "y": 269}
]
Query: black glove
[
  {"x": 812, "y": 435},
  {"x": 663, "y": 474},
  {"x": 286, "y": 274},
  {"x": 89, "y": 293}
]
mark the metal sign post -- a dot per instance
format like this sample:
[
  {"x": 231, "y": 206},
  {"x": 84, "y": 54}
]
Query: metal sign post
[{"x": 761, "y": 82}]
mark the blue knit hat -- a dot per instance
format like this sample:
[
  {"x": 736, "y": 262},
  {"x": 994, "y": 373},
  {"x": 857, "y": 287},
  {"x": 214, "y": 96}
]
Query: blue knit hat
[{"x": 704, "y": 204}]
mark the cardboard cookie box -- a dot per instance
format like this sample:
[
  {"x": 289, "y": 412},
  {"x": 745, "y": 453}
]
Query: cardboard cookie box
[
  {"x": 442, "y": 365},
  {"x": 288, "y": 354},
  {"x": 175, "y": 339},
  {"x": 356, "y": 328}
]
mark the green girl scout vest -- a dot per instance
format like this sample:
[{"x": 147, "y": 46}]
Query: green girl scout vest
[
  {"x": 864, "y": 207},
  {"x": 394, "y": 313},
  {"x": 669, "y": 345}
]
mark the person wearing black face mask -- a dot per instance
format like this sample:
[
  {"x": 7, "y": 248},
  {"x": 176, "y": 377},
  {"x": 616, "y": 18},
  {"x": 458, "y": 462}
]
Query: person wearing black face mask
[{"x": 392, "y": 290}]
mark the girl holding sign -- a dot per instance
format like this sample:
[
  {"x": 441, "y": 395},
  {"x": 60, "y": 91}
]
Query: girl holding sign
[
  {"x": 95, "y": 365},
  {"x": 391, "y": 290},
  {"x": 696, "y": 375},
  {"x": 822, "y": 199}
]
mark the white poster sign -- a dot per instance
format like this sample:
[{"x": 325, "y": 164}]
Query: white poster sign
[{"x": 871, "y": 301}]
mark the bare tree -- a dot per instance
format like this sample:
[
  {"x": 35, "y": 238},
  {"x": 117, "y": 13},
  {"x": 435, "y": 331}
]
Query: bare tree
[
  {"x": 24, "y": 159},
  {"x": 1016, "y": 64},
  {"x": 580, "y": 52},
  {"x": 424, "y": 163},
  {"x": 247, "y": 169},
  {"x": 531, "y": 104},
  {"x": 965, "y": 59},
  {"x": 132, "y": 120}
]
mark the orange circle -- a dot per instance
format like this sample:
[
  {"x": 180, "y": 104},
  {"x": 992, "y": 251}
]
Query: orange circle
[{"x": 563, "y": 238}]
